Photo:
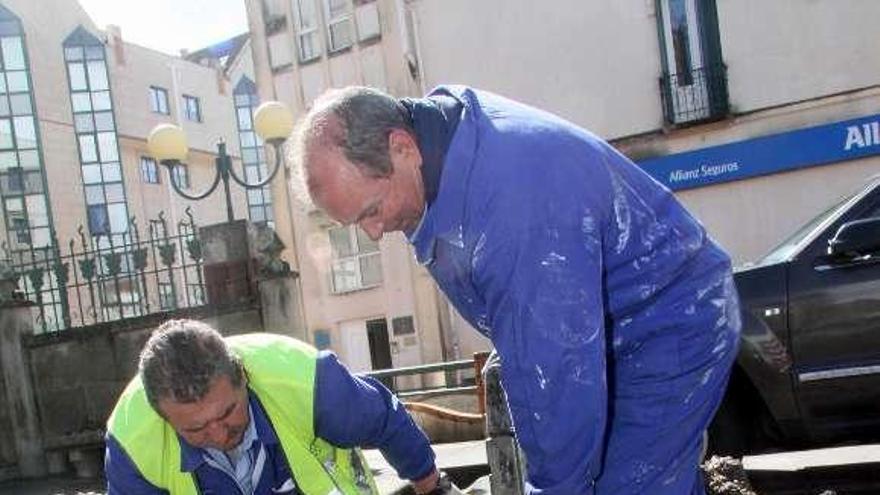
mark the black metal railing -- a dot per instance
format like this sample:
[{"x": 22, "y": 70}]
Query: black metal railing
[
  {"x": 458, "y": 378},
  {"x": 106, "y": 278},
  {"x": 696, "y": 96}
]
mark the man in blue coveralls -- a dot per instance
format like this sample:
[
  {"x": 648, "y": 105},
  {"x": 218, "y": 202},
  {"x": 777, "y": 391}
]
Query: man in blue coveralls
[{"x": 614, "y": 313}]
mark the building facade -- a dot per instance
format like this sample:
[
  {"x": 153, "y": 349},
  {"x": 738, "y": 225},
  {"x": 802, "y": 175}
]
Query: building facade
[
  {"x": 85, "y": 208},
  {"x": 715, "y": 98},
  {"x": 758, "y": 116},
  {"x": 370, "y": 302}
]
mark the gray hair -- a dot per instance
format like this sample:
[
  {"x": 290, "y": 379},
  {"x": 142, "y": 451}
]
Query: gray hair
[
  {"x": 182, "y": 359},
  {"x": 356, "y": 119}
]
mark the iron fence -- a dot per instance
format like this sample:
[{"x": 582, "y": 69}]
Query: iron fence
[
  {"x": 695, "y": 96},
  {"x": 109, "y": 277}
]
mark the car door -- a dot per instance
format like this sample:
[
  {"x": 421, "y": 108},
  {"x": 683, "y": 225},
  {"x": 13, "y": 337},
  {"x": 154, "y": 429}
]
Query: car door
[{"x": 834, "y": 320}]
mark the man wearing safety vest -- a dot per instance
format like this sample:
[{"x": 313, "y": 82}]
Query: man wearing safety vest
[{"x": 255, "y": 414}]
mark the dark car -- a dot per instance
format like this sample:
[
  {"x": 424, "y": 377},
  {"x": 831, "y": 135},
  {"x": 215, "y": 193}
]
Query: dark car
[{"x": 808, "y": 371}]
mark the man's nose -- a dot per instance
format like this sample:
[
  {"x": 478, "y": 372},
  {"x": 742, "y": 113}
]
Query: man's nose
[
  {"x": 217, "y": 433},
  {"x": 373, "y": 229}
]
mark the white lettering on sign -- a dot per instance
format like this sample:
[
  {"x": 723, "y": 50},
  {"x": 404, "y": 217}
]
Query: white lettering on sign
[
  {"x": 703, "y": 171},
  {"x": 862, "y": 136}
]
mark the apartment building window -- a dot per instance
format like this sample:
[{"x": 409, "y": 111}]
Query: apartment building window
[
  {"x": 306, "y": 27},
  {"x": 253, "y": 153},
  {"x": 149, "y": 170},
  {"x": 340, "y": 29},
  {"x": 366, "y": 14},
  {"x": 192, "y": 108},
  {"x": 23, "y": 190},
  {"x": 95, "y": 126},
  {"x": 357, "y": 262},
  {"x": 180, "y": 175},
  {"x": 694, "y": 80},
  {"x": 159, "y": 100}
]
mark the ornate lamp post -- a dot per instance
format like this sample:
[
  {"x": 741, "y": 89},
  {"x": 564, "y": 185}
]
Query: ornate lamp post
[{"x": 273, "y": 122}]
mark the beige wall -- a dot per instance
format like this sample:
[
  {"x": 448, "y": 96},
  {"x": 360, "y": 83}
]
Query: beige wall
[
  {"x": 791, "y": 50},
  {"x": 594, "y": 63}
]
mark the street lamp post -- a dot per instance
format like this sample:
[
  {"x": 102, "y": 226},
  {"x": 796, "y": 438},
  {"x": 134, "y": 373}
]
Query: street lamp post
[{"x": 273, "y": 122}]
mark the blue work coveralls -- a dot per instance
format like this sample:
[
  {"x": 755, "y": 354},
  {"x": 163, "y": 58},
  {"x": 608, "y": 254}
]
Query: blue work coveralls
[{"x": 614, "y": 314}]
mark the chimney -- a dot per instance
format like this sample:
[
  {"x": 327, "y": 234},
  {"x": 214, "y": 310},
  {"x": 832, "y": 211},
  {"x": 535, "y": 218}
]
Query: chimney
[{"x": 114, "y": 38}]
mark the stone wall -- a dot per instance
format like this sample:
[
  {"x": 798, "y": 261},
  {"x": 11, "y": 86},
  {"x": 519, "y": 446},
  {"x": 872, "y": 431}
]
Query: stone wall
[{"x": 78, "y": 374}]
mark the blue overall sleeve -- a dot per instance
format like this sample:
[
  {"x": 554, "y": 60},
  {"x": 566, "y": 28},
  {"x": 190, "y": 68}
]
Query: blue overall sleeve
[
  {"x": 122, "y": 476},
  {"x": 540, "y": 274},
  {"x": 352, "y": 411}
]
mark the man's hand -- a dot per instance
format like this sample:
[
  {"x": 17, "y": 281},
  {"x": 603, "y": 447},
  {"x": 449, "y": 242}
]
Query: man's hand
[{"x": 428, "y": 483}]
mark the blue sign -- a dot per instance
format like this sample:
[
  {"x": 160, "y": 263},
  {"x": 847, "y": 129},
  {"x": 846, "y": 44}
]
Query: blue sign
[{"x": 802, "y": 148}]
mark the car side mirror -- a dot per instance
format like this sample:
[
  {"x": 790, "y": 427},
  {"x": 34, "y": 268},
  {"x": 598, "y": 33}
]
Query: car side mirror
[{"x": 856, "y": 238}]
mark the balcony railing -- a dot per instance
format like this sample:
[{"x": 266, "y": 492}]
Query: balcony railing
[{"x": 696, "y": 96}]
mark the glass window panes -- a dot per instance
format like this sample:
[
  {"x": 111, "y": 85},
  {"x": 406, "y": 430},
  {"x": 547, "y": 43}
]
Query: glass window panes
[
  {"x": 249, "y": 155},
  {"x": 255, "y": 196},
  {"x": 244, "y": 118},
  {"x": 29, "y": 159},
  {"x": 305, "y": 13},
  {"x": 25, "y": 134},
  {"x": 256, "y": 214},
  {"x": 107, "y": 146},
  {"x": 13, "y": 53},
  {"x": 308, "y": 45},
  {"x": 17, "y": 82},
  {"x": 20, "y": 104},
  {"x": 118, "y": 217},
  {"x": 365, "y": 244},
  {"x": 104, "y": 121},
  {"x": 111, "y": 172},
  {"x": 158, "y": 100},
  {"x": 77, "y": 73},
  {"x": 83, "y": 122},
  {"x": 345, "y": 275},
  {"x": 371, "y": 269},
  {"x": 7, "y": 160},
  {"x": 98, "y": 221},
  {"x": 6, "y": 134},
  {"x": 247, "y": 139},
  {"x": 337, "y": 7},
  {"x": 40, "y": 237},
  {"x": 73, "y": 53},
  {"x": 87, "y": 149},
  {"x": 36, "y": 208},
  {"x": 340, "y": 35},
  {"x": 81, "y": 102},
  {"x": 91, "y": 174},
  {"x": 95, "y": 195},
  {"x": 180, "y": 175},
  {"x": 97, "y": 75},
  {"x": 101, "y": 101},
  {"x": 340, "y": 242},
  {"x": 192, "y": 108},
  {"x": 114, "y": 193},
  {"x": 4, "y": 106},
  {"x": 149, "y": 170},
  {"x": 94, "y": 52}
]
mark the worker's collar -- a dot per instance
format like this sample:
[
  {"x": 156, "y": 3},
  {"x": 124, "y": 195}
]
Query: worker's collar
[
  {"x": 193, "y": 457},
  {"x": 434, "y": 119},
  {"x": 442, "y": 219}
]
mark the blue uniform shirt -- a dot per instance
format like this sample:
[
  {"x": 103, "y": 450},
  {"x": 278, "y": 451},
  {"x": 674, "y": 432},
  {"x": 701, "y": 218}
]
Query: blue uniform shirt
[
  {"x": 350, "y": 411},
  {"x": 613, "y": 312}
]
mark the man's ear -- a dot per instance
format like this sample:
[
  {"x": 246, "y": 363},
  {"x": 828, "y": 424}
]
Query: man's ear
[{"x": 400, "y": 143}]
